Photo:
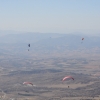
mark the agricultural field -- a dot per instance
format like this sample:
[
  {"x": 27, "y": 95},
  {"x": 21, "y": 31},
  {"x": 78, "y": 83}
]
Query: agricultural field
[{"x": 46, "y": 73}]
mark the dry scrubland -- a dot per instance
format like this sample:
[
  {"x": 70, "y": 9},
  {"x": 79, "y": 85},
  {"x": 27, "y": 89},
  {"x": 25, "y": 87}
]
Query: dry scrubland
[{"x": 46, "y": 72}]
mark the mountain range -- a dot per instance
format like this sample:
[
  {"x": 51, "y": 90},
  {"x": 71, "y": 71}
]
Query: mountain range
[{"x": 48, "y": 41}]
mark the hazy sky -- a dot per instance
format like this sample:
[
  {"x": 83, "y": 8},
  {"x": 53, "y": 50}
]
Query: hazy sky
[{"x": 56, "y": 16}]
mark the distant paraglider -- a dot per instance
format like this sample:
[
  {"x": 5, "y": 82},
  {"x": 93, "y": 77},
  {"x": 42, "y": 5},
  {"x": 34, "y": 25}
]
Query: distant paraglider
[
  {"x": 66, "y": 78},
  {"x": 28, "y": 46},
  {"x": 82, "y": 40}
]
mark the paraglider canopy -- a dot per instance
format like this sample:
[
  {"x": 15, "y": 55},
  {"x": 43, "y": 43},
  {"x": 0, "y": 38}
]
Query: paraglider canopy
[
  {"x": 29, "y": 45},
  {"x": 82, "y": 38},
  {"x": 67, "y": 77},
  {"x": 28, "y": 83}
]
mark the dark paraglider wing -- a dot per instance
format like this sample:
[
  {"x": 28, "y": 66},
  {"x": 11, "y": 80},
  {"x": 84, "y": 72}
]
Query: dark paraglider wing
[
  {"x": 82, "y": 38},
  {"x": 29, "y": 45}
]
